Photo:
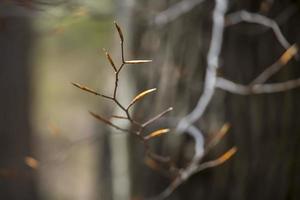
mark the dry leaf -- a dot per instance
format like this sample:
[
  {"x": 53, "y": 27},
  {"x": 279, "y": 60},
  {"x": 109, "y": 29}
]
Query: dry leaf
[
  {"x": 157, "y": 133},
  {"x": 140, "y": 95},
  {"x": 137, "y": 61}
]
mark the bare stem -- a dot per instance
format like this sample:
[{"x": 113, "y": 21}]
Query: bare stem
[
  {"x": 89, "y": 90},
  {"x": 157, "y": 117},
  {"x": 137, "y": 127}
]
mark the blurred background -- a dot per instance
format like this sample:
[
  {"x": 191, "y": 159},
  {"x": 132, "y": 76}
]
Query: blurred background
[{"x": 52, "y": 149}]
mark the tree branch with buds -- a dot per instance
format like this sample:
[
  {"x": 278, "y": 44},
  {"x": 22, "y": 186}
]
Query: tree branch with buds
[{"x": 137, "y": 128}]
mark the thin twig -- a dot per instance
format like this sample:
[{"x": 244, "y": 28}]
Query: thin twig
[
  {"x": 157, "y": 117},
  {"x": 258, "y": 85},
  {"x": 89, "y": 90},
  {"x": 227, "y": 155},
  {"x": 281, "y": 62},
  {"x": 118, "y": 117},
  {"x": 106, "y": 121}
]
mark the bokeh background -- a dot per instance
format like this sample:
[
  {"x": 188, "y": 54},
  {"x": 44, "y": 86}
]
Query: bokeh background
[
  {"x": 68, "y": 49},
  {"x": 52, "y": 149}
]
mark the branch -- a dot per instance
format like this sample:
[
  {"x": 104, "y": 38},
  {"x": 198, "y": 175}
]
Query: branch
[
  {"x": 186, "y": 124},
  {"x": 157, "y": 117},
  {"x": 106, "y": 121},
  {"x": 281, "y": 62},
  {"x": 213, "y": 163},
  {"x": 91, "y": 91},
  {"x": 137, "y": 127},
  {"x": 236, "y": 88},
  {"x": 245, "y": 16},
  {"x": 175, "y": 11},
  {"x": 258, "y": 85},
  {"x": 197, "y": 135},
  {"x": 191, "y": 170},
  {"x": 212, "y": 63},
  {"x": 211, "y": 82}
]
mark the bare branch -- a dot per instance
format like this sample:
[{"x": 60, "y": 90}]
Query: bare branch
[
  {"x": 246, "y": 16},
  {"x": 89, "y": 90},
  {"x": 191, "y": 170},
  {"x": 137, "y": 127},
  {"x": 236, "y": 88},
  {"x": 226, "y": 156},
  {"x": 194, "y": 168},
  {"x": 175, "y": 11},
  {"x": 212, "y": 63},
  {"x": 211, "y": 82},
  {"x": 118, "y": 117},
  {"x": 186, "y": 124},
  {"x": 197, "y": 135},
  {"x": 106, "y": 121},
  {"x": 282, "y": 61},
  {"x": 157, "y": 117},
  {"x": 258, "y": 85}
]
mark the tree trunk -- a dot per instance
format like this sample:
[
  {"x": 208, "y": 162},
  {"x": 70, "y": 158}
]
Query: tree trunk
[{"x": 17, "y": 180}]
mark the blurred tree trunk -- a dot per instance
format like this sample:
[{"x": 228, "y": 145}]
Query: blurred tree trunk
[
  {"x": 17, "y": 180},
  {"x": 265, "y": 128}
]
